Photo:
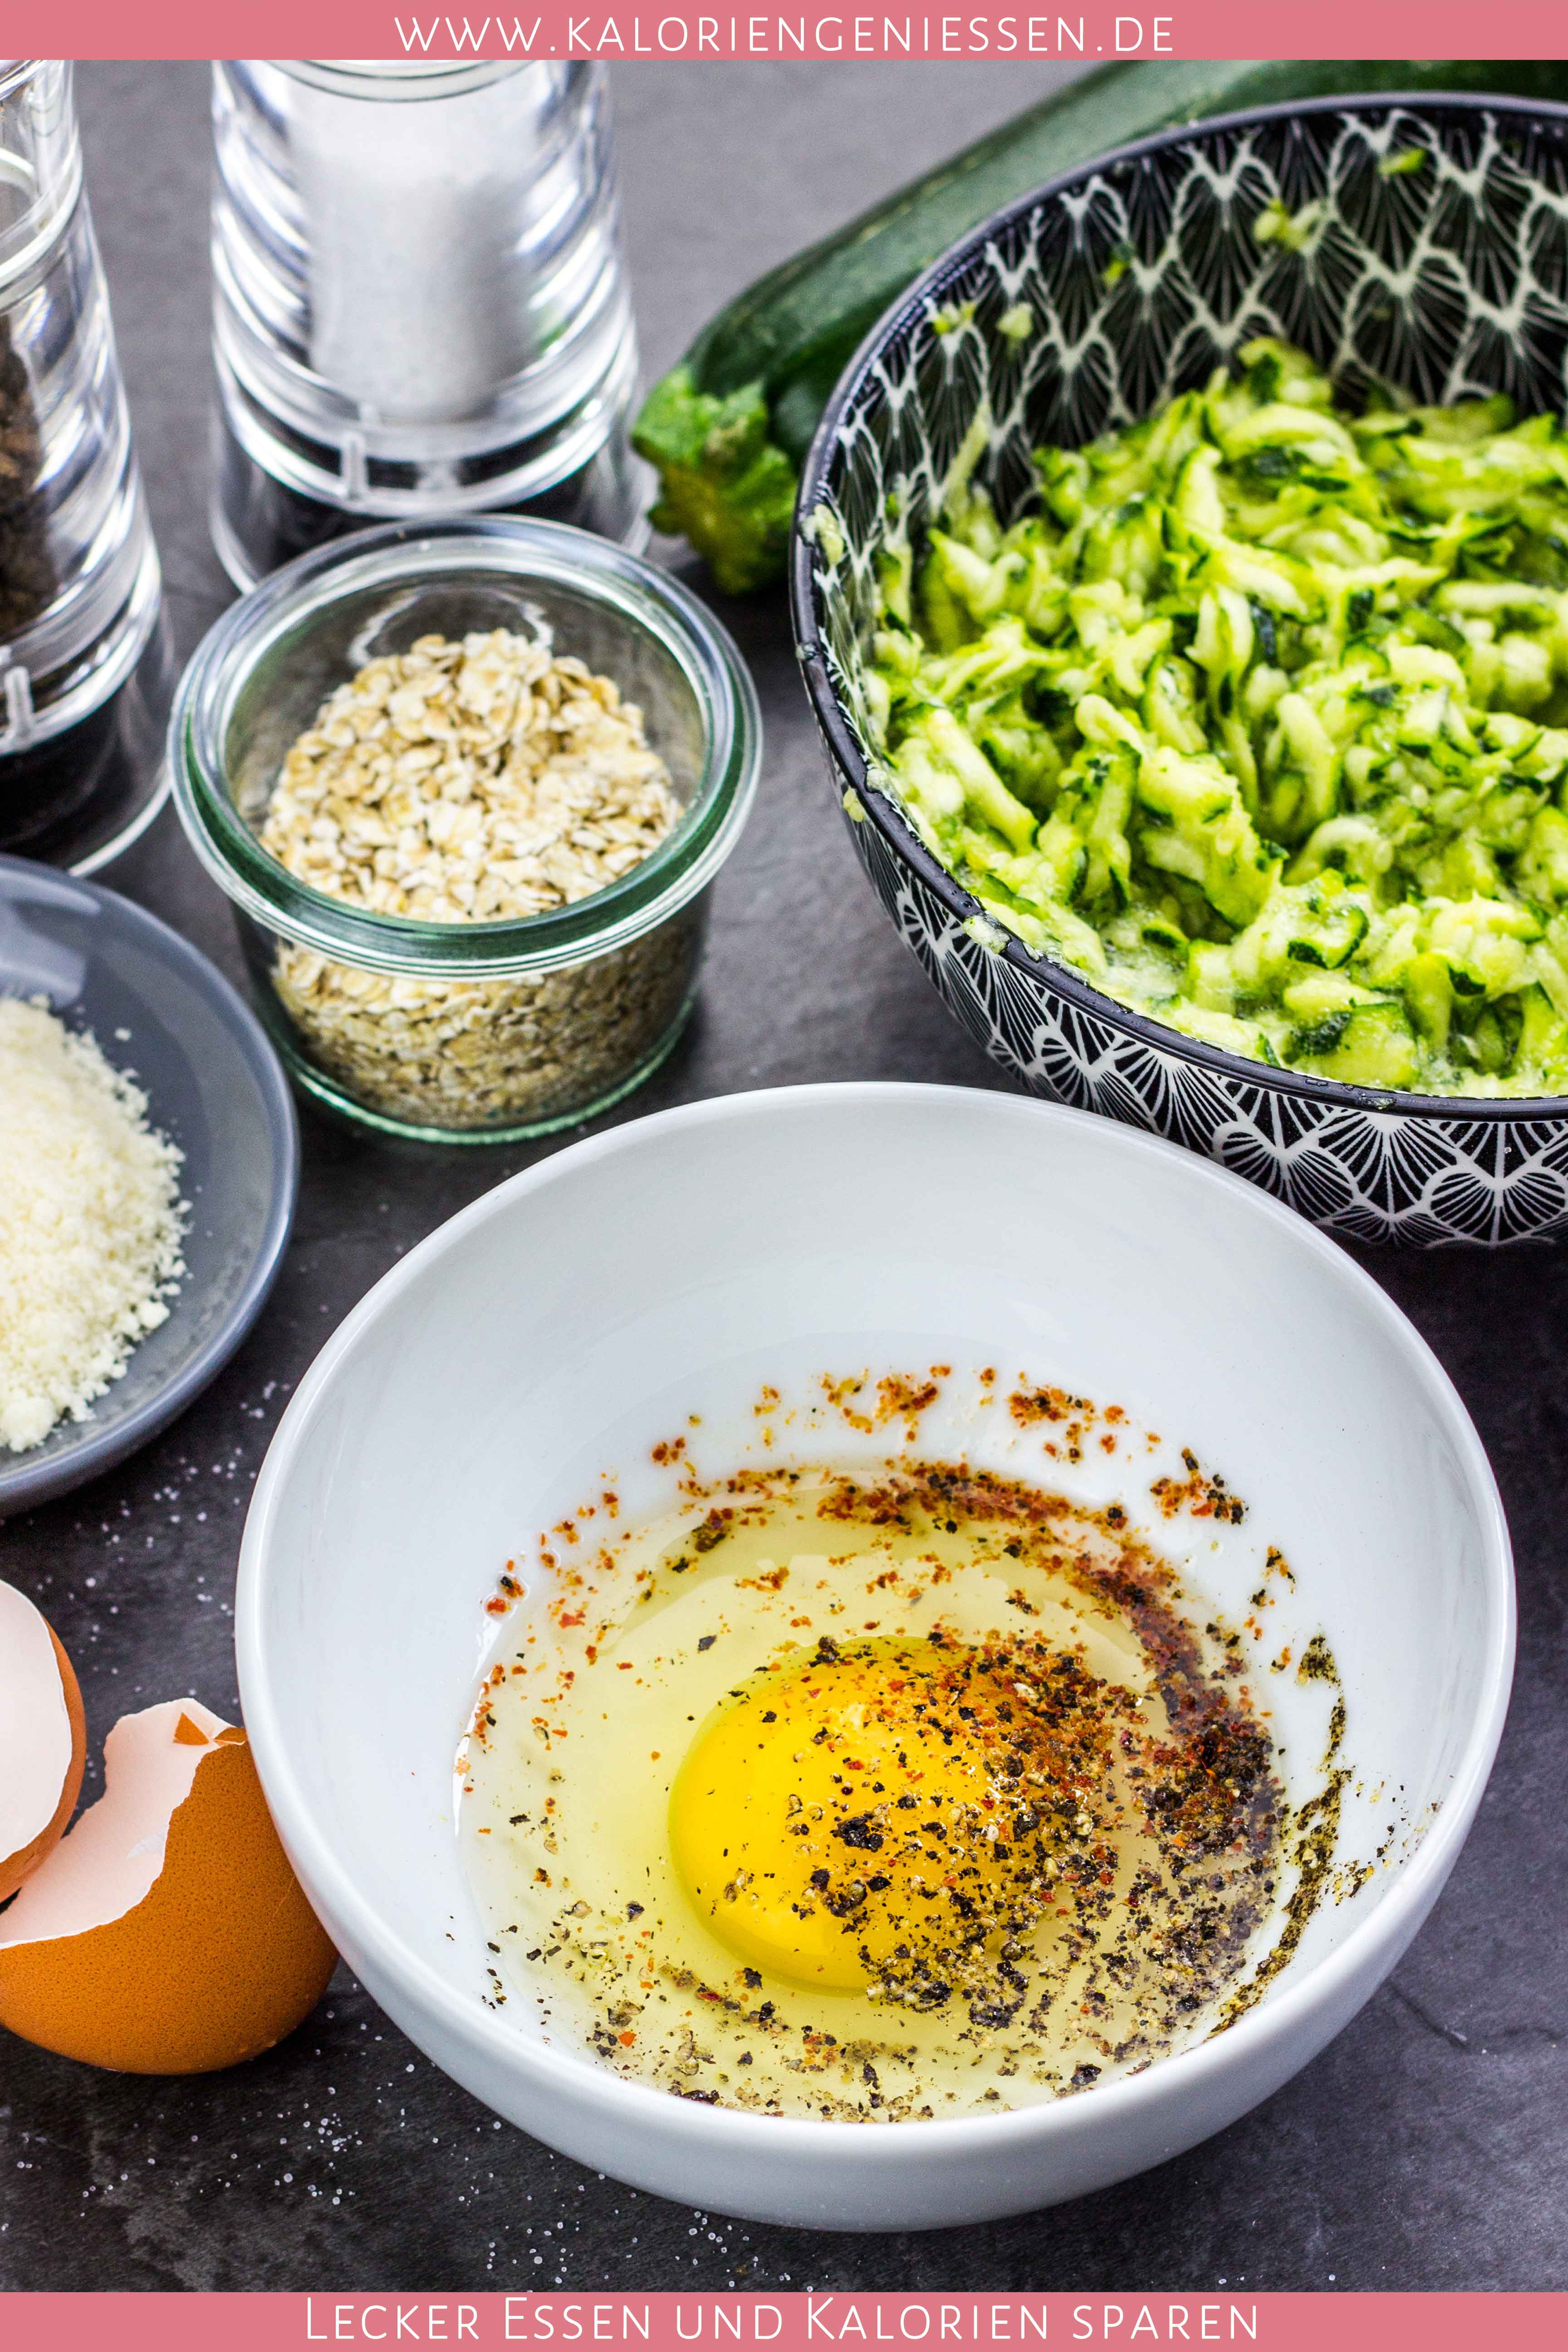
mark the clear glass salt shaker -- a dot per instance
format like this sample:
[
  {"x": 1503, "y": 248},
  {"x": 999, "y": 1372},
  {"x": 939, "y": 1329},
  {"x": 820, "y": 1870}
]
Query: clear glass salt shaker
[
  {"x": 86, "y": 661},
  {"x": 419, "y": 307}
]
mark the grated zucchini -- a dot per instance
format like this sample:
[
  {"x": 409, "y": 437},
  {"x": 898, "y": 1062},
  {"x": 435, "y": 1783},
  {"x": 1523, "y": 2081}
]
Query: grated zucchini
[{"x": 1261, "y": 722}]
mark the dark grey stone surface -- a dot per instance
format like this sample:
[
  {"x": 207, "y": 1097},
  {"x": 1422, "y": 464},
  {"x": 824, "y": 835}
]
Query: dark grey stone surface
[{"x": 1427, "y": 2148}]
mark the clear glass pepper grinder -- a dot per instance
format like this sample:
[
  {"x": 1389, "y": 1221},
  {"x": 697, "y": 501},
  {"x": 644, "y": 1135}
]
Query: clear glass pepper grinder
[
  {"x": 85, "y": 663},
  {"x": 419, "y": 301}
]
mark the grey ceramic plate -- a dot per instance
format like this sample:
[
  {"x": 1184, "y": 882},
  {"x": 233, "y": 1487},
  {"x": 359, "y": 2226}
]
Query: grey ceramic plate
[{"x": 215, "y": 1088}]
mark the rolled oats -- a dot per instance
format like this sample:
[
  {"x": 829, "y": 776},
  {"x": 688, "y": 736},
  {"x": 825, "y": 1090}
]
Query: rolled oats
[{"x": 478, "y": 783}]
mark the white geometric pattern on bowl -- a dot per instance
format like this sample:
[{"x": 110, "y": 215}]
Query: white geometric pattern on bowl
[{"x": 1143, "y": 274}]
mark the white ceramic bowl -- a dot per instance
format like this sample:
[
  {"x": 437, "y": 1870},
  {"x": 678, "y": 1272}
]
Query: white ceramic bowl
[{"x": 556, "y": 1326}]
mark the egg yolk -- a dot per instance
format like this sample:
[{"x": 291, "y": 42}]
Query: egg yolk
[{"x": 866, "y": 1814}]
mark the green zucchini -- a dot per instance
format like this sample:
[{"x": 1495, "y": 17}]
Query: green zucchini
[{"x": 729, "y": 427}]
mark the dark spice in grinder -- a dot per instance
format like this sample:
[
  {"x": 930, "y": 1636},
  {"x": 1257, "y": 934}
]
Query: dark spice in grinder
[{"x": 26, "y": 575}]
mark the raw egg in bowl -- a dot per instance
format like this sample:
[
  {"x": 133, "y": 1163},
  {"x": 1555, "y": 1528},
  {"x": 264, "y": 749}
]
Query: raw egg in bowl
[{"x": 908, "y": 1652}]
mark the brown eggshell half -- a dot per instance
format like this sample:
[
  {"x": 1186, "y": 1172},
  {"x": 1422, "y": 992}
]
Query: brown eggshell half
[
  {"x": 166, "y": 1934},
  {"x": 43, "y": 1739}
]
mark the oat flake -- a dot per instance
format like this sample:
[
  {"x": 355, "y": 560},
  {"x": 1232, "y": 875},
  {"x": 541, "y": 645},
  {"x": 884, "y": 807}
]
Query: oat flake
[{"x": 477, "y": 783}]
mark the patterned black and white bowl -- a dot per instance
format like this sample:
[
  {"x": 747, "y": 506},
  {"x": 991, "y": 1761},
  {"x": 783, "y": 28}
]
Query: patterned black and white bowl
[{"x": 1451, "y": 280}]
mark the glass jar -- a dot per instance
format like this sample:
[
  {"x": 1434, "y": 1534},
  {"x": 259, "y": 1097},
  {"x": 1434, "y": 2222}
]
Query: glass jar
[
  {"x": 86, "y": 663},
  {"x": 419, "y": 301},
  {"x": 467, "y": 1032}
]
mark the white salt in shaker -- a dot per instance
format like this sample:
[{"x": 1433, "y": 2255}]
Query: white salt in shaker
[{"x": 419, "y": 305}]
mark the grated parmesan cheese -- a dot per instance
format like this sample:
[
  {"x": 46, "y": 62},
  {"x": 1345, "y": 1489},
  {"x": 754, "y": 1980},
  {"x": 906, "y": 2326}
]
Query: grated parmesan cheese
[{"x": 90, "y": 1220}]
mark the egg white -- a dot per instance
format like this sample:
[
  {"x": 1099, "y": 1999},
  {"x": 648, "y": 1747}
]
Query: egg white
[{"x": 604, "y": 1677}]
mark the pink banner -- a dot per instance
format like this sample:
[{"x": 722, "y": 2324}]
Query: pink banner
[
  {"x": 369, "y": 28},
  {"x": 790, "y": 2323}
]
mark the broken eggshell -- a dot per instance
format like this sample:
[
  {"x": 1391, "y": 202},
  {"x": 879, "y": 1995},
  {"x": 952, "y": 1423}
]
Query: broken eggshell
[
  {"x": 167, "y": 1933},
  {"x": 43, "y": 1739}
]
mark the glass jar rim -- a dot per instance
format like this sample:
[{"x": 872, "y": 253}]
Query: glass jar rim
[
  {"x": 553, "y": 554},
  {"x": 382, "y": 82},
  {"x": 30, "y": 240},
  {"x": 15, "y": 72}
]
